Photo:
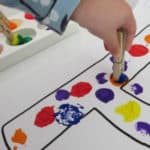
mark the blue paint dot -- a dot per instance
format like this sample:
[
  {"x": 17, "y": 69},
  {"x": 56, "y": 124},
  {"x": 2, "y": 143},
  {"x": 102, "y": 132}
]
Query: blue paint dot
[
  {"x": 105, "y": 95},
  {"x": 62, "y": 95},
  {"x": 101, "y": 78},
  {"x": 69, "y": 115},
  {"x": 137, "y": 88},
  {"x": 143, "y": 127}
]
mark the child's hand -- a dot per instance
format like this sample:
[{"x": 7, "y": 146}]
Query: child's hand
[{"x": 103, "y": 18}]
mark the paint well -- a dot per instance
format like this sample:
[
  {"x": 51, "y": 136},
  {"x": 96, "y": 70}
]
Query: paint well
[
  {"x": 129, "y": 111},
  {"x": 45, "y": 117},
  {"x": 147, "y": 38},
  {"x": 105, "y": 95},
  {"x": 69, "y": 115},
  {"x": 138, "y": 50},
  {"x": 19, "y": 137},
  {"x": 29, "y": 16},
  {"x": 81, "y": 89}
]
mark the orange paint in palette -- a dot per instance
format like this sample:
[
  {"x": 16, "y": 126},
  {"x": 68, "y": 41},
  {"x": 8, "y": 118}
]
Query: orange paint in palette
[{"x": 19, "y": 137}]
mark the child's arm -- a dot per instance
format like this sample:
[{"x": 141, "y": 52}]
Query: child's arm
[{"x": 101, "y": 17}]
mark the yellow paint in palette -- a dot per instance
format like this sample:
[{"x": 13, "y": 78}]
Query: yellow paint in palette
[{"x": 130, "y": 111}]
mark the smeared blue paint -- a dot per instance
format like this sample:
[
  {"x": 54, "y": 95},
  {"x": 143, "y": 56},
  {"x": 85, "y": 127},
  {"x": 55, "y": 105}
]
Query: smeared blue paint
[
  {"x": 101, "y": 78},
  {"x": 62, "y": 95},
  {"x": 123, "y": 77},
  {"x": 69, "y": 115},
  {"x": 137, "y": 88},
  {"x": 105, "y": 95},
  {"x": 125, "y": 63},
  {"x": 143, "y": 127}
]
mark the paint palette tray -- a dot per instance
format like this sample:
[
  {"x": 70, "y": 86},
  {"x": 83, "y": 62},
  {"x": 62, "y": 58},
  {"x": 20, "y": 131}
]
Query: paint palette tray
[{"x": 42, "y": 38}]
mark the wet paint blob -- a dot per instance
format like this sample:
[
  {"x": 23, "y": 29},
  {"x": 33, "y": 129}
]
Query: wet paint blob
[
  {"x": 81, "y": 89},
  {"x": 69, "y": 115},
  {"x": 45, "y": 117},
  {"x": 62, "y": 95},
  {"x": 105, "y": 95},
  {"x": 12, "y": 25},
  {"x": 137, "y": 88},
  {"x": 130, "y": 111},
  {"x": 147, "y": 38},
  {"x": 143, "y": 127},
  {"x": 29, "y": 16},
  {"x": 19, "y": 137},
  {"x": 101, "y": 78},
  {"x": 122, "y": 80},
  {"x": 138, "y": 50}
]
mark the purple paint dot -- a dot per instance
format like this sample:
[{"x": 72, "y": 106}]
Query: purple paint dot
[
  {"x": 101, "y": 78},
  {"x": 62, "y": 95},
  {"x": 137, "y": 88},
  {"x": 143, "y": 127},
  {"x": 111, "y": 59},
  {"x": 105, "y": 95},
  {"x": 125, "y": 66}
]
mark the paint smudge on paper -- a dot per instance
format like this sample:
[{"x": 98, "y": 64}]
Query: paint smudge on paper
[
  {"x": 143, "y": 127},
  {"x": 69, "y": 115},
  {"x": 105, "y": 95},
  {"x": 45, "y": 117},
  {"x": 62, "y": 95},
  {"x": 130, "y": 111},
  {"x": 81, "y": 89},
  {"x": 19, "y": 137},
  {"x": 101, "y": 78},
  {"x": 29, "y": 16},
  {"x": 138, "y": 50},
  {"x": 137, "y": 88}
]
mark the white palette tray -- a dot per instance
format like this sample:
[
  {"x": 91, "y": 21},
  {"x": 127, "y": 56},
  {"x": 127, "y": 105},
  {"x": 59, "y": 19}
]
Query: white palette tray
[{"x": 42, "y": 39}]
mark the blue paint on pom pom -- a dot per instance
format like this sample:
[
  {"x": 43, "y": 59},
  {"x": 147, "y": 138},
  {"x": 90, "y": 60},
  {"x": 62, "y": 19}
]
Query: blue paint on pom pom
[{"x": 122, "y": 78}]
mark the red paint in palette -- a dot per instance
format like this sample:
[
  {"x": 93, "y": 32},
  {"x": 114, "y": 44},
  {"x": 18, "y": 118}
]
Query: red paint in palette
[
  {"x": 138, "y": 50},
  {"x": 81, "y": 89},
  {"x": 45, "y": 117},
  {"x": 29, "y": 16}
]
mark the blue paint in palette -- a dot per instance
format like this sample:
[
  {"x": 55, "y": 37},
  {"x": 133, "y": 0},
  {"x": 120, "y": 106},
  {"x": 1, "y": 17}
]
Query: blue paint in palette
[
  {"x": 62, "y": 95},
  {"x": 69, "y": 115}
]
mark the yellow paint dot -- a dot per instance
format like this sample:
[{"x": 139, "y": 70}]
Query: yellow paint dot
[
  {"x": 130, "y": 111},
  {"x": 147, "y": 38}
]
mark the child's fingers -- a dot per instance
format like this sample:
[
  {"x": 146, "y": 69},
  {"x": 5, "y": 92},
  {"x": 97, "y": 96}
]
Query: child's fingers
[
  {"x": 130, "y": 28},
  {"x": 112, "y": 44}
]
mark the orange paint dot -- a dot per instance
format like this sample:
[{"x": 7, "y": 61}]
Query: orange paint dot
[
  {"x": 18, "y": 22},
  {"x": 147, "y": 38},
  {"x": 19, "y": 137},
  {"x": 12, "y": 25},
  {"x": 15, "y": 148},
  {"x": 115, "y": 83}
]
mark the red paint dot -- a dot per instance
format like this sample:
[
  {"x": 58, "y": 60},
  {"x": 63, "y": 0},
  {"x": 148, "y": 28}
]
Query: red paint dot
[
  {"x": 81, "y": 89},
  {"x": 29, "y": 16},
  {"x": 45, "y": 117},
  {"x": 138, "y": 50}
]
